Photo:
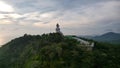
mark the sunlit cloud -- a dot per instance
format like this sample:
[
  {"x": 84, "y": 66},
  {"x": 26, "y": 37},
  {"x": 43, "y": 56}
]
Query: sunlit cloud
[
  {"x": 6, "y": 22},
  {"x": 15, "y": 15},
  {"x": 40, "y": 24},
  {"x": 46, "y": 15},
  {"x": 4, "y": 7}
]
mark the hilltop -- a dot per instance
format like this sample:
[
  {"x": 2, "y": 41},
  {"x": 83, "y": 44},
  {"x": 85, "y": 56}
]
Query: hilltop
[{"x": 55, "y": 50}]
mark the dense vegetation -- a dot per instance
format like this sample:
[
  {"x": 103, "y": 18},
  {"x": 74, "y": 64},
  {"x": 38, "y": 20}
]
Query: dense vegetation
[{"x": 56, "y": 51}]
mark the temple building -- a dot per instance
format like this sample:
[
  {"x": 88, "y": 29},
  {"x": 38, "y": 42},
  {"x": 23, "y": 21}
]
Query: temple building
[{"x": 58, "y": 29}]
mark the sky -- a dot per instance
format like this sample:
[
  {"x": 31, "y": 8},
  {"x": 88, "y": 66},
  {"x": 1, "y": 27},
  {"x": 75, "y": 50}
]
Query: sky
[{"x": 78, "y": 17}]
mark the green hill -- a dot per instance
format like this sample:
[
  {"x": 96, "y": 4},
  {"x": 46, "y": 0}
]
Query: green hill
[
  {"x": 110, "y": 37},
  {"x": 56, "y": 51}
]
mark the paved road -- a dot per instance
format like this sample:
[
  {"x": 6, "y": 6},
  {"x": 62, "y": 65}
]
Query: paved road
[{"x": 87, "y": 43}]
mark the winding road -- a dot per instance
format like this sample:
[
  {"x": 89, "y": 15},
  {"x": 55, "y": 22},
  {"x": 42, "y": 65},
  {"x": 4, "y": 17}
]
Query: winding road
[{"x": 86, "y": 43}]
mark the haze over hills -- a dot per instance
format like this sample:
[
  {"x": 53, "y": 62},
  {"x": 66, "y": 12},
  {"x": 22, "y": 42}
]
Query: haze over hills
[{"x": 110, "y": 37}]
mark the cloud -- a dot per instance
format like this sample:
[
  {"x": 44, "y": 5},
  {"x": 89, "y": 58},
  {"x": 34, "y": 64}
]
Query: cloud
[
  {"x": 41, "y": 25},
  {"x": 6, "y": 22},
  {"x": 4, "y": 7},
  {"x": 74, "y": 16},
  {"x": 92, "y": 13},
  {"x": 80, "y": 17}
]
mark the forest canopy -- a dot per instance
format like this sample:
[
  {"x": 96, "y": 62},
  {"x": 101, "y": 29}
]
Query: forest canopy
[{"x": 54, "y": 50}]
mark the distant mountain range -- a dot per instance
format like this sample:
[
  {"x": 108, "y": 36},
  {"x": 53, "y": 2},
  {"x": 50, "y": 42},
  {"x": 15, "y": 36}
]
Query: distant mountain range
[{"x": 109, "y": 37}]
